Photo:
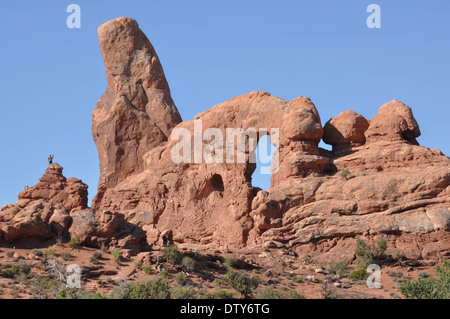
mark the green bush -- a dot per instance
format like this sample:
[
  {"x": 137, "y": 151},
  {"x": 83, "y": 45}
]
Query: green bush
[
  {"x": 8, "y": 273},
  {"x": 230, "y": 262},
  {"x": 138, "y": 264},
  {"x": 74, "y": 242},
  {"x": 397, "y": 255},
  {"x": 292, "y": 294},
  {"x": 157, "y": 288},
  {"x": 367, "y": 254},
  {"x": 306, "y": 258},
  {"x": 103, "y": 247},
  {"x": 189, "y": 263},
  {"x": 147, "y": 269},
  {"x": 22, "y": 267},
  {"x": 172, "y": 255},
  {"x": 429, "y": 288},
  {"x": 297, "y": 279},
  {"x": 223, "y": 294},
  {"x": 181, "y": 292},
  {"x": 117, "y": 255},
  {"x": 339, "y": 268},
  {"x": 50, "y": 252},
  {"x": 344, "y": 173},
  {"x": 269, "y": 292},
  {"x": 74, "y": 293},
  {"x": 242, "y": 282},
  {"x": 65, "y": 256},
  {"x": 95, "y": 257},
  {"x": 360, "y": 274},
  {"x": 182, "y": 279},
  {"x": 37, "y": 252}
]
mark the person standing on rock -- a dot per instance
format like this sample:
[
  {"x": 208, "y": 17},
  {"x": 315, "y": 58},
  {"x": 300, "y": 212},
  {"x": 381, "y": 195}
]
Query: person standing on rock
[{"x": 50, "y": 158}]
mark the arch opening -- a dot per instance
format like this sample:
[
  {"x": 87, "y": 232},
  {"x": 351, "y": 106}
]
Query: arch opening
[{"x": 261, "y": 177}]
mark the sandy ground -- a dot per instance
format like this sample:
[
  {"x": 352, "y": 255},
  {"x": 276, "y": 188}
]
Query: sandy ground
[{"x": 273, "y": 267}]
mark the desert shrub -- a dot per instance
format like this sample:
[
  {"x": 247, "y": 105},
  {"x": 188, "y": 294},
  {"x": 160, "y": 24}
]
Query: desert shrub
[
  {"x": 157, "y": 288},
  {"x": 75, "y": 293},
  {"x": 344, "y": 173},
  {"x": 66, "y": 256},
  {"x": 37, "y": 252},
  {"x": 242, "y": 282},
  {"x": 147, "y": 269},
  {"x": 182, "y": 292},
  {"x": 367, "y": 254},
  {"x": 189, "y": 263},
  {"x": 172, "y": 255},
  {"x": 269, "y": 292},
  {"x": 292, "y": 294},
  {"x": 74, "y": 242},
  {"x": 297, "y": 279},
  {"x": 327, "y": 291},
  {"x": 95, "y": 257},
  {"x": 429, "y": 288},
  {"x": 205, "y": 295},
  {"x": 164, "y": 273},
  {"x": 103, "y": 247},
  {"x": 306, "y": 258},
  {"x": 182, "y": 279},
  {"x": 360, "y": 274},
  {"x": 230, "y": 262},
  {"x": 138, "y": 264},
  {"x": 117, "y": 255},
  {"x": 8, "y": 273},
  {"x": 339, "y": 268},
  {"x": 137, "y": 291},
  {"x": 397, "y": 255},
  {"x": 50, "y": 252},
  {"x": 9, "y": 254},
  {"x": 22, "y": 267},
  {"x": 223, "y": 294}
]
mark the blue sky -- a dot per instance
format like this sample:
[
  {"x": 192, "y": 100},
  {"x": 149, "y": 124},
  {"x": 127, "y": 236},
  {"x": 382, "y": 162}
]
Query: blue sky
[{"x": 211, "y": 51}]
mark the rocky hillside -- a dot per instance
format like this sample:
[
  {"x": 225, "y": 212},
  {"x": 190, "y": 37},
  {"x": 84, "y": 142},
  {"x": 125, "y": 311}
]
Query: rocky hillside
[{"x": 376, "y": 182}]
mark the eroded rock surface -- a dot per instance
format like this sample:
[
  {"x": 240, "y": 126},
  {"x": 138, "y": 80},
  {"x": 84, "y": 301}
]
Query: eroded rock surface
[
  {"x": 43, "y": 210},
  {"x": 377, "y": 181}
]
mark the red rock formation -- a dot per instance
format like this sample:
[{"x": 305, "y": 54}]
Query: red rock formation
[
  {"x": 55, "y": 189},
  {"x": 394, "y": 121},
  {"x": 376, "y": 182},
  {"x": 136, "y": 113},
  {"x": 43, "y": 210},
  {"x": 345, "y": 131},
  {"x": 315, "y": 196}
]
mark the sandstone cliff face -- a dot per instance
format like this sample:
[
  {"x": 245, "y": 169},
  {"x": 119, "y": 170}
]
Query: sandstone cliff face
[
  {"x": 43, "y": 210},
  {"x": 136, "y": 112},
  {"x": 56, "y": 209},
  {"x": 377, "y": 180}
]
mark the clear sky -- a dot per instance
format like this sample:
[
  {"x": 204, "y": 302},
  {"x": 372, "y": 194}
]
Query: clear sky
[{"x": 211, "y": 51}]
